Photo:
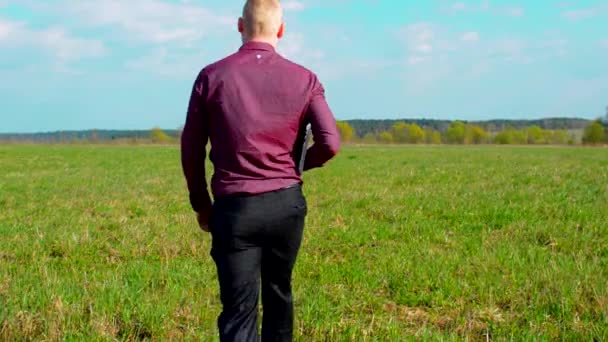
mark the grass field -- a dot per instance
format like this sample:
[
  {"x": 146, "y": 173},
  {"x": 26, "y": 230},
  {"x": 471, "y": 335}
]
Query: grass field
[{"x": 98, "y": 243}]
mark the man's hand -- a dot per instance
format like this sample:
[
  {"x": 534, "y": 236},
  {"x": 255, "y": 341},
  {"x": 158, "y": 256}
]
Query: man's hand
[{"x": 203, "y": 219}]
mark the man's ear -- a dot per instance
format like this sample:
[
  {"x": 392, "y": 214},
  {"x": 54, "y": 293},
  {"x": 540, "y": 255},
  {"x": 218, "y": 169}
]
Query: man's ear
[
  {"x": 241, "y": 25},
  {"x": 281, "y": 32}
]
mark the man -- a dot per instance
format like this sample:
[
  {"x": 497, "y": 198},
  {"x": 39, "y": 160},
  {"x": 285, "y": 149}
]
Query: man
[{"x": 252, "y": 106}]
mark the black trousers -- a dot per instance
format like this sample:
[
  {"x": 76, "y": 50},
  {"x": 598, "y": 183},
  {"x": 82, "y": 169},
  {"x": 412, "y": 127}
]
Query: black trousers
[{"x": 257, "y": 237}]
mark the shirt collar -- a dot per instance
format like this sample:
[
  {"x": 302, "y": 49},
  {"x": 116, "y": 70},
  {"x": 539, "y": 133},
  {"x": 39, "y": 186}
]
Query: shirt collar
[{"x": 257, "y": 46}]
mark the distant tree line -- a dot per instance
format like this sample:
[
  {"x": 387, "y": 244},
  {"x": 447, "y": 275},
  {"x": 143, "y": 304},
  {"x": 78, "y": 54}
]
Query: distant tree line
[
  {"x": 596, "y": 133},
  {"x": 557, "y": 131},
  {"x": 363, "y": 127},
  {"x": 460, "y": 133},
  {"x": 154, "y": 135}
]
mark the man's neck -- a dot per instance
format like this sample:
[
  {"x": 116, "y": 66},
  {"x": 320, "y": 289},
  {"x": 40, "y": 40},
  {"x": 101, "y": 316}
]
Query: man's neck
[{"x": 270, "y": 41}]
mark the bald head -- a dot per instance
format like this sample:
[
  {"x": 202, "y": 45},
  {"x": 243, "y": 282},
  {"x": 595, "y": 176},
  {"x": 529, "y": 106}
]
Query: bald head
[{"x": 262, "y": 19}]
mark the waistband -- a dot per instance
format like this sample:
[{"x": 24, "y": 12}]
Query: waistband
[{"x": 296, "y": 186}]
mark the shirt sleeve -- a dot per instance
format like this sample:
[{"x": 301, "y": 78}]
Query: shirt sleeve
[
  {"x": 193, "y": 147},
  {"x": 324, "y": 129}
]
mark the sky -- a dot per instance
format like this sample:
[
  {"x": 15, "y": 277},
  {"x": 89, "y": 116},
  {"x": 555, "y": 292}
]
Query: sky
[{"x": 117, "y": 64}]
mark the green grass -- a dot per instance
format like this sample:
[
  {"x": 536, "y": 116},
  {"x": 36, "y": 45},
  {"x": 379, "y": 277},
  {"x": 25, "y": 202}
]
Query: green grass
[{"x": 98, "y": 243}]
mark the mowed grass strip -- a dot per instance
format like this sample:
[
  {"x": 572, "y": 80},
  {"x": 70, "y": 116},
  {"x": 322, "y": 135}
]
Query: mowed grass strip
[{"x": 98, "y": 243}]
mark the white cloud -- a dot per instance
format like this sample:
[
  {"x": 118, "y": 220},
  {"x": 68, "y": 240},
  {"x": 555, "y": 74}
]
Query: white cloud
[
  {"x": 470, "y": 37},
  {"x": 572, "y": 13},
  {"x": 485, "y": 7},
  {"x": 433, "y": 53},
  {"x": 419, "y": 38},
  {"x": 580, "y": 14},
  {"x": 459, "y": 6},
  {"x": 513, "y": 11},
  {"x": 467, "y": 7},
  {"x": 304, "y": 49},
  {"x": 509, "y": 50},
  {"x": 428, "y": 52},
  {"x": 426, "y": 42},
  {"x": 517, "y": 50},
  {"x": 169, "y": 64},
  {"x": 295, "y": 47},
  {"x": 54, "y": 40},
  {"x": 7, "y": 28},
  {"x": 557, "y": 47},
  {"x": 293, "y": 6},
  {"x": 147, "y": 25},
  {"x": 148, "y": 21},
  {"x": 292, "y": 45},
  {"x": 424, "y": 48},
  {"x": 67, "y": 47},
  {"x": 414, "y": 60}
]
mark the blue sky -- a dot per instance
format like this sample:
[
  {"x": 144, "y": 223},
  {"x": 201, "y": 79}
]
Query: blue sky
[{"x": 76, "y": 64}]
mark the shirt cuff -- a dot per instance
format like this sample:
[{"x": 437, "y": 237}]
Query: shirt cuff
[{"x": 200, "y": 201}]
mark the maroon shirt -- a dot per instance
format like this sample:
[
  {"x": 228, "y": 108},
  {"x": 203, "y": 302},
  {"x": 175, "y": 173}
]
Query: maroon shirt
[{"x": 252, "y": 106}]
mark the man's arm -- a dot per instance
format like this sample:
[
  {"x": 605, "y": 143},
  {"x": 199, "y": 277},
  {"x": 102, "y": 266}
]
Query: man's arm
[
  {"x": 324, "y": 130},
  {"x": 193, "y": 145}
]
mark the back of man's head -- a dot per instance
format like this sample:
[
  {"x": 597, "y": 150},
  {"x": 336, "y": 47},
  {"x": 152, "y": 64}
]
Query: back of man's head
[{"x": 262, "y": 19}]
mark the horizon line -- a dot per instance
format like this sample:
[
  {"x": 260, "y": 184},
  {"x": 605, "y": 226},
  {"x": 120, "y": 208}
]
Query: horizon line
[{"x": 346, "y": 120}]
